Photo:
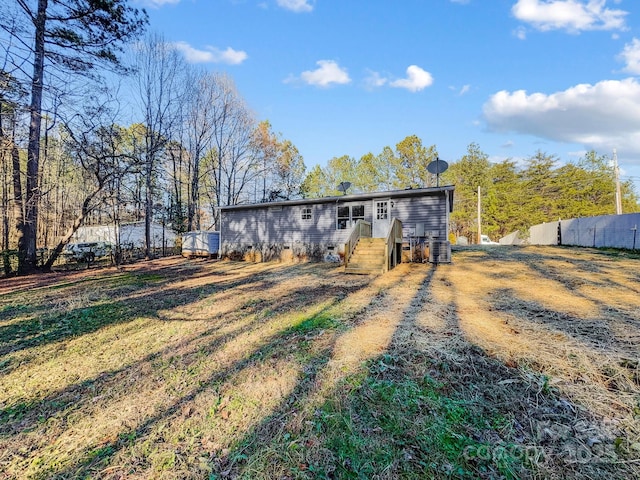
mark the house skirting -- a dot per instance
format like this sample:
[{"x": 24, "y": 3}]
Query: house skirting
[{"x": 283, "y": 252}]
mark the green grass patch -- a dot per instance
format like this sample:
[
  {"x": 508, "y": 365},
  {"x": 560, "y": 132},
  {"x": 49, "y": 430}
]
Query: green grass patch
[
  {"x": 319, "y": 321},
  {"x": 407, "y": 427},
  {"x": 55, "y": 326},
  {"x": 135, "y": 279},
  {"x": 144, "y": 278},
  {"x": 384, "y": 422}
]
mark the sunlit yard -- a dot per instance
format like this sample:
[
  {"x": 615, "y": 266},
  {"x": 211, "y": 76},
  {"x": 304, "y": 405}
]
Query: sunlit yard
[{"x": 516, "y": 363}]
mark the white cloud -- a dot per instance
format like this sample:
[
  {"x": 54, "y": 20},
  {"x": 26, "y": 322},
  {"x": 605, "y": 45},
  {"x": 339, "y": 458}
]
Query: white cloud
[
  {"x": 157, "y": 3},
  {"x": 601, "y": 116},
  {"x": 417, "y": 79},
  {"x": 520, "y": 33},
  {"x": 211, "y": 54},
  {"x": 328, "y": 73},
  {"x": 631, "y": 57},
  {"x": 296, "y": 5},
  {"x": 571, "y": 15},
  {"x": 374, "y": 80},
  {"x": 460, "y": 91}
]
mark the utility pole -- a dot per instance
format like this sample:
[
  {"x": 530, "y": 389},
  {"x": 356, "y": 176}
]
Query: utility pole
[
  {"x": 479, "y": 218},
  {"x": 616, "y": 170}
]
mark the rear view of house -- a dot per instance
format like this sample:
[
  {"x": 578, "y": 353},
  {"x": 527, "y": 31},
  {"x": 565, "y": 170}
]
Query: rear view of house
[{"x": 318, "y": 229}]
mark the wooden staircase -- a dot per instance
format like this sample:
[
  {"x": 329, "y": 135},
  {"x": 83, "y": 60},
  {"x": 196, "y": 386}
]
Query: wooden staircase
[
  {"x": 368, "y": 256},
  {"x": 364, "y": 254}
]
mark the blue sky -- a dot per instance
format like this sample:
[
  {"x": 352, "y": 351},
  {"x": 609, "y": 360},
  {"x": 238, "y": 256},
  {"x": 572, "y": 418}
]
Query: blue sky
[{"x": 348, "y": 77}]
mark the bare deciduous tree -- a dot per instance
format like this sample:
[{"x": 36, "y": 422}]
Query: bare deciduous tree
[
  {"x": 73, "y": 36},
  {"x": 200, "y": 122},
  {"x": 96, "y": 144},
  {"x": 235, "y": 158},
  {"x": 160, "y": 89}
]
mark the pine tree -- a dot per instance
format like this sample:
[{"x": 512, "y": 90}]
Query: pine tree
[{"x": 74, "y": 36}]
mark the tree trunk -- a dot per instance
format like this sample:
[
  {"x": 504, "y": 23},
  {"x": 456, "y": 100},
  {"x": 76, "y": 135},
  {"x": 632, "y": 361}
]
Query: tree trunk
[
  {"x": 4, "y": 245},
  {"x": 148, "y": 208},
  {"x": 17, "y": 198},
  {"x": 77, "y": 223},
  {"x": 27, "y": 241},
  {"x": 8, "y": 147},
  {"x": 194, "y": 213},
  {"x": 6, "y": 151},
  {"x": 176, "y": 215}
]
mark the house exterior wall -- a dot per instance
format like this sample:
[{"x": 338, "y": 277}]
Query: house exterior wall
[
  {"x": 429, "y": 212},
  {"x": 283, "y": 229}
]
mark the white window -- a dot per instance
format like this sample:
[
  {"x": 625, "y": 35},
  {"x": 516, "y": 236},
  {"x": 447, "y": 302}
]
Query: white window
[
  {"x": 344, "y": 217},
  {"x": 357, "y": 213},
  {"x": 349, "y": 215},
  {"x": 306, "y": 213}
]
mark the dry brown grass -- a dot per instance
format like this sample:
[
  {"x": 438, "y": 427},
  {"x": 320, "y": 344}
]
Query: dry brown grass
[
  {"x": 572, "y": 317},
  {"x": 190, "y": 369}
]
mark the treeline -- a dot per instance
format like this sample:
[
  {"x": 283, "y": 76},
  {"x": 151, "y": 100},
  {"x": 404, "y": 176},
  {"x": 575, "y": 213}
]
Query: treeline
[
  {"x": 67, "y": 158},
  {"x": 514, "y": 195}
]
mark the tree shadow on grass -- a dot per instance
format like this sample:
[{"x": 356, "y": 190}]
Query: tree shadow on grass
[
  {"x": 566, "y": 440},
  {"x": 29, "y": 414},
  {"x": 586, "y": 330},
  {"x": 433, "y": 405},
  {"x": 113, "y": 307},
  {"x": 279, "y": 345},
  {"x": 530, "y": 255},
  {"x": 289, "y": 443},
  {"x": 110, "y": 314},
  {"x": 594, "y": 331}
]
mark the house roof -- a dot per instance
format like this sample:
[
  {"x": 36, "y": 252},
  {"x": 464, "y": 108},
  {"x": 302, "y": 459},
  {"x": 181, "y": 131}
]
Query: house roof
[{"x": 409, "y": 192}]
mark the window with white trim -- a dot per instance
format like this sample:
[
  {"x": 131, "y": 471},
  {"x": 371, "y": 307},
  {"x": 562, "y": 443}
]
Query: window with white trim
[
  {"x": 357, "y": 213},
  {"x": 344, "y": 217},
  {"x": 347, "y": 216},
  {"x": 306, "y": 213}
]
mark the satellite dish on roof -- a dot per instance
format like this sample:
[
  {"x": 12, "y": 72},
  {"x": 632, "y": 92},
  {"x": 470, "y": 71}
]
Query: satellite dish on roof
[
  {"x": 343, "y": 187},
  {"x": 437, "y": 167}
]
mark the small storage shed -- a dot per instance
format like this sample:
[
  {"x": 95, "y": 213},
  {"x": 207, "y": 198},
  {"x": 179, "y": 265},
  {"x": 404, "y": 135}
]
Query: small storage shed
[{"x": 201, "y": 243}]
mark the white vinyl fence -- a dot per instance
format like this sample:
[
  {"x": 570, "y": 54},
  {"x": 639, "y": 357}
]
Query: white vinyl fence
[{"x": 616, "y": 231}]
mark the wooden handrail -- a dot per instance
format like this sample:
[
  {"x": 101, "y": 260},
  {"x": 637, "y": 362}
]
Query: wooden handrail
[
  {"x": 394, "y": 237},
  {"x": 360, "y": 229}
]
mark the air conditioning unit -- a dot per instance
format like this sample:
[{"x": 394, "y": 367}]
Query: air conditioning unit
[{"x": 439, "y": 251}]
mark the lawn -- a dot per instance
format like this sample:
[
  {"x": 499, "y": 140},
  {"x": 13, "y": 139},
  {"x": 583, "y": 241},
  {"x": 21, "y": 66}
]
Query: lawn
[{"x": 507, "y": 363}]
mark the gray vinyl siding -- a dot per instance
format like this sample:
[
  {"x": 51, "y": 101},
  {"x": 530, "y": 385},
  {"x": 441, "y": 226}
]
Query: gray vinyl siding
[
  {"x": 430, "y": 211},
  {"x": 282, "y": 224}
]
